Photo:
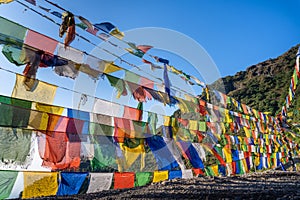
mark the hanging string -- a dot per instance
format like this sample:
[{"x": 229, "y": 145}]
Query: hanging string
[
  {"x": 107, "y": 51},
  {"x": 130, "y": 64},
  {"x": 123, "y": 41},
  {"x": 122, "y": 105},
  {"x": 126, "y": 42}
]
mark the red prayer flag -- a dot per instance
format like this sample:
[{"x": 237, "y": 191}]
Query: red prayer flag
[
  {"x": 233, "y": 164},
  {"x": 123, "y": 180},
  {"x": 144, "y": 48},
  {"x": 132, "y": 113},
  {"x": 198, "y": 171},
  {"x": 146, "y": 83},
  {"x": 40, "y": 41}
]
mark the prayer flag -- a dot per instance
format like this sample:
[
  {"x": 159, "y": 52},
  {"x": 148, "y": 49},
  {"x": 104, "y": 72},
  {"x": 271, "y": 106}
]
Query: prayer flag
[
  {"x": 39, "y": 184},
  {"x": 100, "y": 182},
  {"x": 159, "y": 176},
  {"x": 123, "y": 180},
  {"x": 70, "y": 182}
]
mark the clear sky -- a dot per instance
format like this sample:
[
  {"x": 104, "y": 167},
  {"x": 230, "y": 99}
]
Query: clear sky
[{"x": 235, "y": 33}]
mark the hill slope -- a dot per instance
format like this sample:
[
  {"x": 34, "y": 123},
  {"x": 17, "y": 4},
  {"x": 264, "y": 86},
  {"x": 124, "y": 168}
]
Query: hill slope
[{"x": 263, "y": 86}]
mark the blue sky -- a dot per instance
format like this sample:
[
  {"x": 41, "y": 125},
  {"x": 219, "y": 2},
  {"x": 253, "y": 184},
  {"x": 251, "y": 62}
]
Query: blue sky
[{"x": 235, "y": 33}]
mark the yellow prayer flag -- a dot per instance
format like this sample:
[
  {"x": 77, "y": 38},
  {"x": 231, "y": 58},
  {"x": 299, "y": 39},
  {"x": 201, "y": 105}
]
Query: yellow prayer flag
[
  {"x": 193, "y": 125},
  {"x": 42, "y": 92},
  {"x": 267, "y": 139},
  {"x": 131, "y": 154},
  {"x": 245, "y": 165},
  {"x": 159, "y": 176},
  {"x": 235, "y": 103},
  {"x": 223, "y": 128},
  {"x": 227, "y": 116},
  {"x": 6, "y": 1},
  {"x": 241, "y": 139},
  {"x": 215, "y": 169},
  {"x": 261, "y": 150},
  {"x": 167, "y": 121},
  {"x": 117, "y": 33},
  {"x": 182, "y": 106},
  {"x": 56, "y": 110},
  {"x": 103, "y": 64},
  {"x": 39, "y": 184},
  {"x": 257, "y": 160},
  {"x": 111, "y": 68},
  {"x": 227, "y": 153},
  {"x": 38, "y": 120},
  {"x": 174, "y": 70}
]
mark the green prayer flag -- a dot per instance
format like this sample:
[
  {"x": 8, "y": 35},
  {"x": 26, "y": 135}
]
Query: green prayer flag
[
  {"x": 12, "y": 54},
  {"x": 7, "y": 181},
  {"x": 152, "y": 120},
  {"x": 202, "y": 126},
  {"x": 132, "y": 77},
  {"x": 82, "y": 26},
  {"x": 142, "y": 178},
  {"x": 117, "y": 83},
  {"x": 15, "y": 145},
  {"x": 140, "y": 128},
  {"x": 14, "y": 112},
  {"x": 104, "y": 154},
  {"x": 209, "y": 171},
  {"x": 11, "y": 33},
  {"x": 241, "y": 166},
  {"x": 100, "y": 129}
]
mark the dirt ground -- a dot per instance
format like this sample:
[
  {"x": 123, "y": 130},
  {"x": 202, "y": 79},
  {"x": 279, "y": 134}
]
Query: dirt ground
[{"x": 264, "y": 185}]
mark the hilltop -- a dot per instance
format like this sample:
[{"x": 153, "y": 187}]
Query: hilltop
[{"x": 263, "y": 86}]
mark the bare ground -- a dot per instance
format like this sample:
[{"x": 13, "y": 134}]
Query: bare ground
[{"x": 264, "y": 185}]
